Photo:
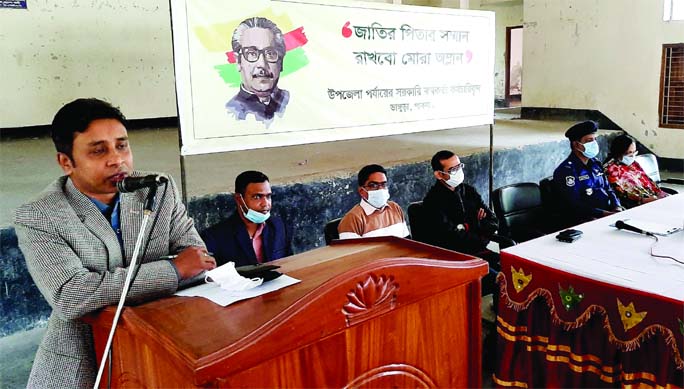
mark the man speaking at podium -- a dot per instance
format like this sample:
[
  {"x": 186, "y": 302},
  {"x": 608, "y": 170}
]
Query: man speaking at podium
[{"x": 79, "y": 235}]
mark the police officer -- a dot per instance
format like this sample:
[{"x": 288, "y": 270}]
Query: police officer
[{"x": 580, "y": 181}]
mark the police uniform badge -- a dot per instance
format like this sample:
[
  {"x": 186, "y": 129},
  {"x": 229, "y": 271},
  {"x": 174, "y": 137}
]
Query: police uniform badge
[
  {"x": 570, "y": 181},
  {"x": 589, "y": 191}
]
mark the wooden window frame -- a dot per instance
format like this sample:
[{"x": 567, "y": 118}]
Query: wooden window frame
[{"x": 666, "y": 72}]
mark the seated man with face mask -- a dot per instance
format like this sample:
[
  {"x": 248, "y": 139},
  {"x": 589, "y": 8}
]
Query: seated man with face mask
[
  {"x": 455, "y": 214},
  {"x": 580, "y": 181},
  {"x": 374, "y": 215},
  {"x": 456, "y": 218},
  {"x": 251, "y": 234}
]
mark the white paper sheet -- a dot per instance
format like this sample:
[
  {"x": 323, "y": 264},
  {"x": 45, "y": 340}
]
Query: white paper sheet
[{"x": 224, "y": 298}]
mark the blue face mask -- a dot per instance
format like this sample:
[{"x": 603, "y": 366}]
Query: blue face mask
[
  {"x": 627, "y": 160},
  {"x": 254, "y": 216},
  {"x": 591, "y": 149}
]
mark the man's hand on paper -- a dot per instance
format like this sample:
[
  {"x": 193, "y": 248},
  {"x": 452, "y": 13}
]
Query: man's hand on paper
[{"x": 192, "y": 261}]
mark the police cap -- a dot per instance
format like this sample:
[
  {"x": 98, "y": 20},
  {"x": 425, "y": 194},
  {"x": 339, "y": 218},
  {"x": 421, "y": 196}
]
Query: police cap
[{"x": 581, "y": 129}]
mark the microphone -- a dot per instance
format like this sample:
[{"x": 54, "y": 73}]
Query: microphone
[
  {"x": 620, "y": 225},
  {"x": 131, "y": 184}
]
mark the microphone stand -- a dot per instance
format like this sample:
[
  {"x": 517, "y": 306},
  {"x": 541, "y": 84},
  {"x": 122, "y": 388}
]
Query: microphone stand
[{"x": 130, "y": 275}]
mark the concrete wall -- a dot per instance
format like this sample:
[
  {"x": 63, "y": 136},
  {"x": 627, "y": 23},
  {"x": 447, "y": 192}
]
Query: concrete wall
[
  {"x": 508, "y": 14},
  {"x": 603, "y": 55},
  {"x": 56, "y": 51}
]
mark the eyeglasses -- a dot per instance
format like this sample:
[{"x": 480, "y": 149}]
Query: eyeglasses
[
  {"x": 455, "y": 169},
  {"x": 252, "y": 54},
  {"x": 376, "y": 185}
]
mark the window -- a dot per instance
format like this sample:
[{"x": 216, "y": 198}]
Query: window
[
  {"x": 673, "y": 10},
  {"x": 671, "y": 107}
]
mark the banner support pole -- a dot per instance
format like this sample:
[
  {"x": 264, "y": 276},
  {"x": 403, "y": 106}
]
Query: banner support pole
[{"x": 491, "y": 163}]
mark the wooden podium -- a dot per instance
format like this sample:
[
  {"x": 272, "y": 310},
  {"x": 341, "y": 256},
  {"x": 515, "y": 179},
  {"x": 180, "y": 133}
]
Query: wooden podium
[{"x": 379, "y": 312}]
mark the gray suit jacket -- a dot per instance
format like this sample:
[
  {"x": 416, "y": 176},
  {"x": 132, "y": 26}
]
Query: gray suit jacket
[{"x": 75, "y": 259}]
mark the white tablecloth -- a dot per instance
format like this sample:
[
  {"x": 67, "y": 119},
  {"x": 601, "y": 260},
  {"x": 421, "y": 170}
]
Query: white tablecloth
[{"x": 620, "y": 257}]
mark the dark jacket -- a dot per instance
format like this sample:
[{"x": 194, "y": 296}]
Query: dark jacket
[
  {"x": 229, "y": 241},
  {"x": 244, "y": 103},
  {"x": 584, "y": 189},
  {"x": 445, "y": 210}
]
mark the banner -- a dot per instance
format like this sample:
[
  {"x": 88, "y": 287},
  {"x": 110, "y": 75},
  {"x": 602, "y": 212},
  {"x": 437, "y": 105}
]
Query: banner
[{"x": 254, "y": 74}]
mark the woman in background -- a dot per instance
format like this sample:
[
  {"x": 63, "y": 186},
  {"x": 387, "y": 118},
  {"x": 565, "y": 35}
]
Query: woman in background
[{"x": 629, "y": 180}]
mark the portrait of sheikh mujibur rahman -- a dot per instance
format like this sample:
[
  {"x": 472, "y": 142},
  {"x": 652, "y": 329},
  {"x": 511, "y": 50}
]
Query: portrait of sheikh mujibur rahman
[{"x": 260, "y": 48}]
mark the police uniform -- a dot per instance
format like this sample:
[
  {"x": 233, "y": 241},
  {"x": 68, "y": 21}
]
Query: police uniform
[{"x": 584, "y": 188}]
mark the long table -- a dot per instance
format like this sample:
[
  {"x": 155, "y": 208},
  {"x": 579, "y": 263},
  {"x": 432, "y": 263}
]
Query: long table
[{"x": 598, "y": 312}]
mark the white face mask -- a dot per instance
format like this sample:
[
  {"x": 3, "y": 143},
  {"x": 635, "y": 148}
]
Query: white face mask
[
  {"x": 378, "y": 198},
  {"x": 227, "y": 277},
  {"x": 455, "y": 179},
  {"x": 627, "y": 160}
]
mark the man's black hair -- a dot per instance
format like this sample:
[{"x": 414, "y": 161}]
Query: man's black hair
[
  {"x": 438, "y": 158},
  {"x": 76, "y": 116},
  {"x": 367, "y": 170},
  {"x": 248, "y": 177}
]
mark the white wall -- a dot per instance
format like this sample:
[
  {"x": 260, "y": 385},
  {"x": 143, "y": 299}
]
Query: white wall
[
  {"x": 508, "y": 14},
  {"x": 603, "y": 55},
  {"x": 58, "y": 50}
]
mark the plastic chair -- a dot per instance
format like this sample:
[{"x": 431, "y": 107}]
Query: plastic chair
[
  {"x": 649, "y": 163},
  {"x": 520, "y": 211}
]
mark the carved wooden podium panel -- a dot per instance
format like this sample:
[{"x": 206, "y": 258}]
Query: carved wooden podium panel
[{"x": 380, "y": 312}]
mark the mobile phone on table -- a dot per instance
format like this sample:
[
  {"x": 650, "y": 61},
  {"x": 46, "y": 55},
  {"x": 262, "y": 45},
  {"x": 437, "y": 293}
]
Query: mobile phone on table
[{"x": 568, "y": 236}]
